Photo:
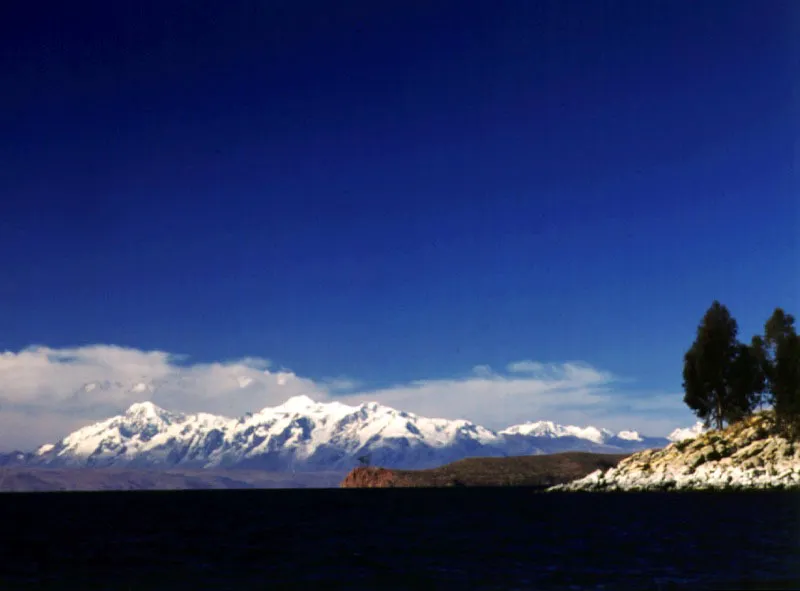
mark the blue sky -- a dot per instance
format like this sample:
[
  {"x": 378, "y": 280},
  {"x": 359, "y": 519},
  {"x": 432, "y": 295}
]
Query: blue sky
[{"x": 395, "y": 192}]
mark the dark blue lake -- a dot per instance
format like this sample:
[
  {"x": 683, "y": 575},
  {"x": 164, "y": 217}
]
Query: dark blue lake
[{"x": 399, "y": 539}]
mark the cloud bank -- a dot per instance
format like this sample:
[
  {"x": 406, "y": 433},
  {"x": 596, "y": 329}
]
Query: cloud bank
[{"x": 46, "y": 393}]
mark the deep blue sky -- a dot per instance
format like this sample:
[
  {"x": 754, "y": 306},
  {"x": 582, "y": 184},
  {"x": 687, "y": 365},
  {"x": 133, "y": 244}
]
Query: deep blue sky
[{"x": 397, "y": 190}]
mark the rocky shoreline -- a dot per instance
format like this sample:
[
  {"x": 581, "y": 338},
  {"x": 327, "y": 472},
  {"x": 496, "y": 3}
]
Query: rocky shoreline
[{"x": 746, "y": 455}]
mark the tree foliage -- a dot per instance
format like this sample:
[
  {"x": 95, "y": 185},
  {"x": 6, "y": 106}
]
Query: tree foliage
[
  {"x": 722, "y": 378},
  {"x": 780, "y": 357},
  {"x": 746, "y": 384}
]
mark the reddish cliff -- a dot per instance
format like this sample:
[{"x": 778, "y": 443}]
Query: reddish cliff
[{"x": 366, "y": 477}]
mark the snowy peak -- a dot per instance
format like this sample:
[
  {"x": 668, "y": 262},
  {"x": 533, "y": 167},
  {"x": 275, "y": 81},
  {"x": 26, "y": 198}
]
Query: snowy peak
[
  {"x": 591, "y": 433},
  {"x": 687, "y": 433},
  {"x": 298, "y": 403},
  {"x": 537, "y": 429},
  {"x": 630, "y": 436},
  {"x": 550, "y": 429},
  {"x": 44, "y": 449},
  {"x": 145, "y": 409},
  {"x": 304, "y": 434},
  {"x": 148, "y": 414}
]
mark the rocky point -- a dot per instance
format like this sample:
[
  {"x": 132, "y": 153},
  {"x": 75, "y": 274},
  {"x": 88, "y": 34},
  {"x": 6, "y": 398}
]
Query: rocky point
[{"x": 747, "y": 455}]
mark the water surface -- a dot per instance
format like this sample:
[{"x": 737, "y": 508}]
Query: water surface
[{"x": 399, "y": 539}]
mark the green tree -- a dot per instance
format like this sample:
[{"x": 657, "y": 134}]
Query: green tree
[
  {"x": 717, "y": 371},
  {"x": 746, "y": 384},
  {"x": 759, "y": 349},
  {"x": 780, "y": 357}
]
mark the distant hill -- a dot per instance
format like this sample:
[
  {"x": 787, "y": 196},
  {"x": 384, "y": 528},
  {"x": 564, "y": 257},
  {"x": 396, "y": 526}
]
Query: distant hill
[{"x": 534, "y": 471}]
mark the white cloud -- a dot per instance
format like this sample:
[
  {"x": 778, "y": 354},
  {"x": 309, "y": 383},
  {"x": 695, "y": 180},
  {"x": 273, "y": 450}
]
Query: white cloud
[
  {"x": 43, "y": 393},
  {"x": 41, "y": 382},
  {"x": 482, "y": 370},
  {"x": 495, "y": 400},
  {"x": 525, "y": 366},
  {"x": 340, "y": 384}
]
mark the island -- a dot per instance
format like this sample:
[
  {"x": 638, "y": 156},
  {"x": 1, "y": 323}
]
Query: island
[{"x": 536, "y": 471}]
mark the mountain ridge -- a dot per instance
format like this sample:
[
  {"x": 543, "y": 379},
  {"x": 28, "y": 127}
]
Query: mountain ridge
[{"x": 306, "y": 435}]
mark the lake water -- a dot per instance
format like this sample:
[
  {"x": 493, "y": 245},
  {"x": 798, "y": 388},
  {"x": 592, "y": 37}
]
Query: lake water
[{"x": 399, "y": 539}]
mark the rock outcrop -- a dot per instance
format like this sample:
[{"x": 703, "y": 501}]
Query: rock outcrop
[
  {"x": 369, "y": 477},
  {"x": 748, "y": 454}
]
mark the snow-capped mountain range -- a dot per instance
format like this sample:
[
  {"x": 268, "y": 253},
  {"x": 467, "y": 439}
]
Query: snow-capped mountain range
[{"x": 304, "y": 435}]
